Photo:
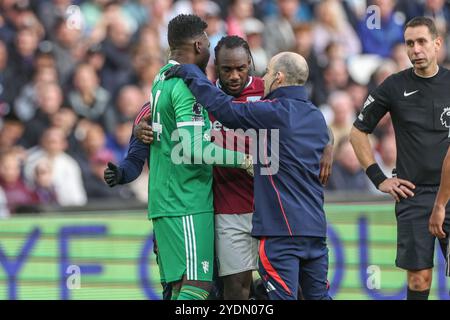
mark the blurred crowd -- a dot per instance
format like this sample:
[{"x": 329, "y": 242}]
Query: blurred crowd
[{"x": 74, "y": 74}]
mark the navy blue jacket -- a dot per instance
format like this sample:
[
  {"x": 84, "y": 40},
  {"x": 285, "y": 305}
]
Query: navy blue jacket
[
  {"x": 131, "y": 166},
  {"x": 288, "y": 202}
]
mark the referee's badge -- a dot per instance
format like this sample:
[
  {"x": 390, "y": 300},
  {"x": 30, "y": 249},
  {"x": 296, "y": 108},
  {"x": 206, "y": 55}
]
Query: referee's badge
[{"x": 445, "y": 119}]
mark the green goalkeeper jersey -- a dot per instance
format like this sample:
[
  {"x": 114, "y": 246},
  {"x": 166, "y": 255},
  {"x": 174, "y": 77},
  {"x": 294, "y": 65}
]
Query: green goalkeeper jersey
[{"x": 181, "y": 155}]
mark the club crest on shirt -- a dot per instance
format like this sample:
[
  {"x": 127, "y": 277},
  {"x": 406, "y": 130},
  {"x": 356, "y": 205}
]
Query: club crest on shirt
[
  {"x": 205, "y": 265},
  {"x": 445, "y": 118}
]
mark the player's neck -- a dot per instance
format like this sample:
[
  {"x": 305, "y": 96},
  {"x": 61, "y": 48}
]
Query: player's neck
[
  {"x": 427, "y": 73},
  {"x": 181, "y": 57}
]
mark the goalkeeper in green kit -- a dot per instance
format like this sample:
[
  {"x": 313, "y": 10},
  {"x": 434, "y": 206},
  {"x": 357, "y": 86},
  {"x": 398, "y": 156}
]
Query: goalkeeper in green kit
[{"x": 181, "y": 159}]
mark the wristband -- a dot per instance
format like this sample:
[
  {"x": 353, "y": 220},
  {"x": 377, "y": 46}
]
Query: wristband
[{"x": 375, "y": 174}]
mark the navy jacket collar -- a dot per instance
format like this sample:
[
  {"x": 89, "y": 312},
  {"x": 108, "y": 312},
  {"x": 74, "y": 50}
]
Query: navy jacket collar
[{"x": 291, "y": 92}]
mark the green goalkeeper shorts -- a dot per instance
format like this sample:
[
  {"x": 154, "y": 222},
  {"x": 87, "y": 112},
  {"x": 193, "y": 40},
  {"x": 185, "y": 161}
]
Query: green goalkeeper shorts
[{"x": 185, "y": 247}]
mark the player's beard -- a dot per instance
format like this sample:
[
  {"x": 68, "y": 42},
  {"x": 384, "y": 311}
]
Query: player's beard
[{"x": 236, "y": 93}]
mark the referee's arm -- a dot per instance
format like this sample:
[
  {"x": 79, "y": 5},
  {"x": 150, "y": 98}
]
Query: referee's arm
[
  {"x": 394, "y": 186},
  {"x": 361, "y": 145},
  {"x": 442, "y": 198}
]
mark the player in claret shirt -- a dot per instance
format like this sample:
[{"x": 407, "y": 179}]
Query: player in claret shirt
[{"x": 236, "y": 249}]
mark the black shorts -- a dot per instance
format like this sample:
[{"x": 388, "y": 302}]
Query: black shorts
[{"x": 415, "y": 244}]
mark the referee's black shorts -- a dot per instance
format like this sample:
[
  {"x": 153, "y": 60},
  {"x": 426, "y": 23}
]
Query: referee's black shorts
[{"x": 415, "y": 244}]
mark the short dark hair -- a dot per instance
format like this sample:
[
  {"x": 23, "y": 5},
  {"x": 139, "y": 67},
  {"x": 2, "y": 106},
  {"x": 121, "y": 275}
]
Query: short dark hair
[
  {"x": 231, "y": 42},
  {"x": 184, "y": 27},
  {"x": 423, "y": 21}
]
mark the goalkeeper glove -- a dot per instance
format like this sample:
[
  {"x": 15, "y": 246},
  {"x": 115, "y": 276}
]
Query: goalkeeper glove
[{"x": 112, "y": 175}]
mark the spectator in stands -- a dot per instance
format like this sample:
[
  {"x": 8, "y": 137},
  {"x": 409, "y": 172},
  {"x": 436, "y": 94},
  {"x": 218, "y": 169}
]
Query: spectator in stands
[
  {"x": 216, "y": 26},
  {"x": 95, "y": 186},
  {"x": 347, "y": 173},
  {"x": 49, "y": 101},
  {"x": 400, "y": 58},
  {"x": 66, "y": 171},
  {"x": 238, "y": 11},
  {"x": 160, "y": 15},
  {"x": 93, "y": 140},
  {"x": 67, "y": 45},
  {"x": 11, "y": 132},
  {"x": 253, "y": 29},
  {"x": 45, "y": 57},
  {"x": 118, "y": 141},
  {"x": 66, "y": 119},
  {"x": 86, "y": 97},
  {"x": 16, "y": 191},
  {"x": 43, "y": 183},
  {"x": 27, "y": 101},
  {"x": 8, "y": 26},
  {"x": 332, "y": 26},
  {"x": 343, "y": 115},
  {"x": 381, "y": 39},
  {"x": 96, "y": 58},
  {"x": 335, "y": 77},
  {"x": 117, "y": 70},
  {"x": 358, "y": 94},
  {"x": 20, "y": 61},
  {"x": 388, "y": 154},
  {"x": 50, "y": 12},
  {"x": 439, "y": 11},
  {"x": 5, "y": 75},
  {"x": 197, "y": 7},
  {"x": 278, "y": 32},
  {"x": 145, "y": 75},
  {"x": 304, "y": 46},
  {"x": 128, "y": 103}
]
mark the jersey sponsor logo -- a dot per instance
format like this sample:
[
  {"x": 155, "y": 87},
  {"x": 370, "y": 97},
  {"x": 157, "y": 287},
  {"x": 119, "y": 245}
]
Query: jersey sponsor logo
[
  {"x": 407, "y": 94},
  {"x": 445, "y": 119},
  {"x": 205, "y": 266},
  {"x": 369, "y": 100}
]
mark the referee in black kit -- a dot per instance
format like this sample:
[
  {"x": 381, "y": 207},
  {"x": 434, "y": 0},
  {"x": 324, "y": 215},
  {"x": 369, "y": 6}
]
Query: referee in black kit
[{"x": 418, "y": 100}]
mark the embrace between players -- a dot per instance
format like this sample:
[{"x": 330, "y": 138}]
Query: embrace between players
[{"x": 282, "y": 232}]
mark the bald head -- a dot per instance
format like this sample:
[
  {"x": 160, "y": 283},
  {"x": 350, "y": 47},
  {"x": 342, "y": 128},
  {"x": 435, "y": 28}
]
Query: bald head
[
  {"x": 294, "y": 67},
  {"x": 285, "y": 69}
]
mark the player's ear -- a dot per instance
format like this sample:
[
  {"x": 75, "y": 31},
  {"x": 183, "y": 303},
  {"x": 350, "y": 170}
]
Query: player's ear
[
  {"x": 197, "y": 47},
  {"x": 438, "y": 42},
  {"x": 279, "y": 77}
]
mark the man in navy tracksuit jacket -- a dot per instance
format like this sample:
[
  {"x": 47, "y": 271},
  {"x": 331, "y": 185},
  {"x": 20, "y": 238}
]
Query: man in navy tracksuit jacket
[{"x": 289, "y": 218}]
